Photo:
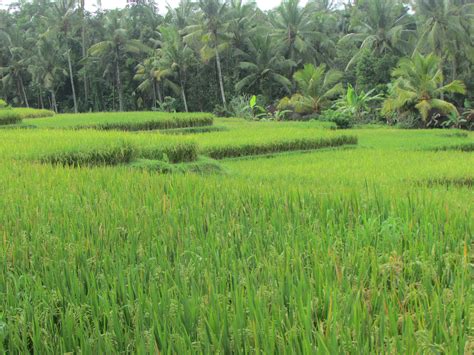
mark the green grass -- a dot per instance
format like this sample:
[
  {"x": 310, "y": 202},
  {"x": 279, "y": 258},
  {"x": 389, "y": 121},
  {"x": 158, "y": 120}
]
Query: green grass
[
  {"x": 103, "y": 148},
  {"x": 9, "y": 117},
  {"x": 125, "y": 121},
  {"x": 202, "y": 165},
  {"x": 29, "y": 113},
  {"x": 361, "y": 250},
  {"x": 233, "y": 150}
]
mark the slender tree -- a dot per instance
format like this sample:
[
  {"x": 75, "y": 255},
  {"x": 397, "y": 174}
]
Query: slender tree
[
  {"x": 177, "y": 57},
  {"x": 113, "y": 49},
  {"x": 264, "y": 68},
  {"x": 213, "y": 35}
]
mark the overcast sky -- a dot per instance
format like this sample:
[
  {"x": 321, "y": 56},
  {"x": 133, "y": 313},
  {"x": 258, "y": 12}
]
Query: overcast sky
[{"x": 110, "y": 4}]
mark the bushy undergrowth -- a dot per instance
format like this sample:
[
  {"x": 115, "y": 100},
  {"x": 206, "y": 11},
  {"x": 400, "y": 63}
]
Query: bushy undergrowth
[{"x": 239, "y": 150}]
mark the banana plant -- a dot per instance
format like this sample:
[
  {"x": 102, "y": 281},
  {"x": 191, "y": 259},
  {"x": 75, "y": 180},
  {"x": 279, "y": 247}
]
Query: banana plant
[{"x": 356, "y": 104}]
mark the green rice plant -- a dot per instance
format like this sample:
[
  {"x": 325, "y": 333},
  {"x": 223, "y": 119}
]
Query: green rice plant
[
  {"x": 28, "y": 113},
  {"x": 127, "y": 121},
  {"x": 467, "y": 147},
  {"x": 123, "y": 260},
  {"x": 201, "y": 166},
  {"x": 194, "y": 130},
  {"x": 175, "y": 153},
  {"x": 232, "y": 151},
  {"x": 61, "y": 147},
  {"x": 119, "y": 153},
  {"x": 357, "y": 251},
  {"x": 9, "y": 117},
  {"x": 162, "y": 124}
]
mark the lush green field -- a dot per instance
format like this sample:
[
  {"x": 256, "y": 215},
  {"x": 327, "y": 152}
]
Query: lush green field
[
  {"x": 124, "y": 120},
  {"x": 359, "y": 249}
]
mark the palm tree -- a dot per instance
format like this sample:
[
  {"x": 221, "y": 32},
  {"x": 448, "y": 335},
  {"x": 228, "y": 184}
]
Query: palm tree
[
  {"x": 212, "y": 33},
  {"x": 47, "y": 67},
  {"x": 180, "y": 15},
  {"x": 113, "y": 49},
  {"x": 419, "y": 85},
  {"x": 263, "y": 67},
  {"x": 150, "y": 74},
  {"x": 382, "y": 26},
  {"x": 316, "y": 87},
  {"x": 176, "y": 56},
  {"x": 61, "y": 18},
  {"x": 444, "y": 28},
  {"x": 11, "y": 75},
  {"x": 293, "y": 29}
]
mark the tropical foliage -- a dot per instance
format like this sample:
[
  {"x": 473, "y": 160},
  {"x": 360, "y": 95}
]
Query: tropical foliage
[
  {"x": 316, "y": 87},
  {"x": 201, "y": 55},
  {"x": 419, "y": 85}
]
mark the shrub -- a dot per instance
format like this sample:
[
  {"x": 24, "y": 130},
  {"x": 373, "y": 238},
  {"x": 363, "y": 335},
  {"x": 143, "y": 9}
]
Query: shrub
[
  {"x": 9, "y": 116},
  {"x": 340, "y": 118},
  {"x": 232, "y": 151},
  {"x": 3, "y": 104},
  {"x": 408, "y": 120},
  {"x": 239, "y": 107}
]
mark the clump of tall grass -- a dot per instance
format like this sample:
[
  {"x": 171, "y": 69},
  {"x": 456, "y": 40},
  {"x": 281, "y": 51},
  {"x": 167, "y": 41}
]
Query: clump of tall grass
[
  {"x": 178, "y": 152},
  {"x": 247, "y": 149},
  {"x": 201, "y": 166},
  {"x": 194, "y": 130},
  {"x": 122, "y": 152},
  {"x": 9, "y": 116},
  {"x": 168, "y": 123},
  {"x": 119, "y": 153},
  {"x": 465, "y": 147},
  {"x": 27, "y": 113}
]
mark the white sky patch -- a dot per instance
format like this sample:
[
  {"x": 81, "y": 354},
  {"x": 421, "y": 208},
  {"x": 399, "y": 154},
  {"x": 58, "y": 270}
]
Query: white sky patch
[{"x": 113, "y": 4}]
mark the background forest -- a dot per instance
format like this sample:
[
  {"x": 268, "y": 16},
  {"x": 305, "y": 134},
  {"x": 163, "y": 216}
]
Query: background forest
[{"x": 214, "y": 55}]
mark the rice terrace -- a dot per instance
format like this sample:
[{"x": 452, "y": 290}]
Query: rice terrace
[{"x": 230, "y": 177}]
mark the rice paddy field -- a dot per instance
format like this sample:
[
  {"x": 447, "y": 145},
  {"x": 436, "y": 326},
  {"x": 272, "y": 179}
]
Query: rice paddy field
[{"x": 300, "y": 239}]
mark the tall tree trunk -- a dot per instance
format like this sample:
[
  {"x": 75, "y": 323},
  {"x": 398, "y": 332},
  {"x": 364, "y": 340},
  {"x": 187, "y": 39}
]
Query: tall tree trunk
[
  {"x": 158, "y": 90},
  {"x": 24, "y": 92},
  {"x": 84, "y": 55},
  {"x": 41, "y": 98},
  {"x": 183, "y": 94},
  {"x": 53, "y": 101},
  {"x": 119, "y": 86},
  {"x": 219, "y": 74},
  {"x": 154, "y": 94},
  {"x": 71, "y": 77},
  {"x": 454, "y": 68}
]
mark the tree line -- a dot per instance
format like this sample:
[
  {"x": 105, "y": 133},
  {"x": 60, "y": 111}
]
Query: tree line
[{"x": 203, "y": 54}]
